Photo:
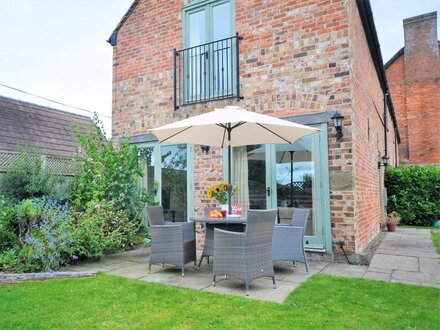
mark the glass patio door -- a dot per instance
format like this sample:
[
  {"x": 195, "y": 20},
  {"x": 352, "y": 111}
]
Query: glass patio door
[
  {"x": 286, "y": 177},
  {"x": 174, "y": 172},
  {"x": 170, "y": 169}
]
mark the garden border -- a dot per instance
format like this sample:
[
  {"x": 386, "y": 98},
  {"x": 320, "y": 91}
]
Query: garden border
[{"x": 16, "y": 278}]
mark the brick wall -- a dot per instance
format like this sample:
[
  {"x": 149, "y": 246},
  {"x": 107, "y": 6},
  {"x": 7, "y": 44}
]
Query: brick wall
[
  {"x": 294, "y": 59},
  {"x": 368, "y": 137},
  {"x": 414, "y": 79},
  {"x": 396, "y": 81}
]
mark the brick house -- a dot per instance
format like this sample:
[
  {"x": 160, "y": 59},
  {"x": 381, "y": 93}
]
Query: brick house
[
  {"x": 414, "y": 79},
  {"x": 299, "y": 60}
]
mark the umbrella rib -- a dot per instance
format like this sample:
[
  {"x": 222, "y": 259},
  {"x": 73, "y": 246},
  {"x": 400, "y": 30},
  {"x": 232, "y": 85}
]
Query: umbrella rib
[
  {"x": 224, "y": 134},
  {"x": 269, "y": 130},
  {"x": 171, "y": 136},
  {"x": 226, "y": 128}
]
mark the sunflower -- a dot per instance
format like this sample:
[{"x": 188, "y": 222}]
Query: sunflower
[
  {"x": 225, "y": 186},
  {"x": 216, "y": 189},
  {"x": 209, "y": 193}
]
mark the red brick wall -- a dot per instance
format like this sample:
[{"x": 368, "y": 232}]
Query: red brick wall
[
  {"x": 367, "y": 137},
  {"x": 295, "y": 58},
  {"x": 414, "y": 80},
  {"x": 396, "y": 81}
]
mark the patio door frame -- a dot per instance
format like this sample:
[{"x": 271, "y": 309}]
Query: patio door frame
[
  {"x": 321, "y": 191},
  {"x": 158, "y": 173}
]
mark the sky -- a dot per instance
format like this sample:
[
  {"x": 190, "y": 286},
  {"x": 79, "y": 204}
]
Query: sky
[{"x": 57, "y": 49}]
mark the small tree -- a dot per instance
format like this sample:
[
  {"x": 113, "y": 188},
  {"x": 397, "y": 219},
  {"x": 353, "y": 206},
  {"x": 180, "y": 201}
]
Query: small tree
[{"x": 106, "y": 173}]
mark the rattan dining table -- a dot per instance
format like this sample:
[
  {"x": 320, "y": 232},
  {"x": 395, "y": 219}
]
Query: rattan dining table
[{"x": 231, "y": 224}]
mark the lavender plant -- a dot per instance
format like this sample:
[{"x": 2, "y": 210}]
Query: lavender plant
[{"x": 45, "y": 237}]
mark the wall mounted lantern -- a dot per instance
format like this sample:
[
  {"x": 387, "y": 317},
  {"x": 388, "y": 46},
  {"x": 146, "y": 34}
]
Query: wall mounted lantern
[
  {"x": 205, "y": 148},
  {"x": 337, "y": 121},
  {"x": 385, "y": 160}
]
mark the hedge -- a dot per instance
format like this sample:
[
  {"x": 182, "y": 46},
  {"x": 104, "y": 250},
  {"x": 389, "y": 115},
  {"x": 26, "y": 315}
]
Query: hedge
[{"x": 414, "y": 193}]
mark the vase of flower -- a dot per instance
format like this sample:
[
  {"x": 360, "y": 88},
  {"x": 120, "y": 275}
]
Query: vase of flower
[{"x": 220, "y": 193}]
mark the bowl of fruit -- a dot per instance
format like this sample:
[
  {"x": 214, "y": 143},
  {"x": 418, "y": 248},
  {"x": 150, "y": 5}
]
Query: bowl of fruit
[{"x": 216, "y": 214}]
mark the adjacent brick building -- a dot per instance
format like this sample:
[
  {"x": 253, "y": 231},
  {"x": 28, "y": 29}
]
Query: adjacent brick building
[
  {"x": 299, "y": 60},
  {"x": 414, "y": 79}
]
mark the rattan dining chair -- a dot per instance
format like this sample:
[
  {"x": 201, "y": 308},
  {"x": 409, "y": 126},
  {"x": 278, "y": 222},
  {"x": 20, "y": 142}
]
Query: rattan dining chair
[
  {"x": 247, "y": 255},
  {"x": 288, "y": 240},
  {"x": 171, "y": 243}
]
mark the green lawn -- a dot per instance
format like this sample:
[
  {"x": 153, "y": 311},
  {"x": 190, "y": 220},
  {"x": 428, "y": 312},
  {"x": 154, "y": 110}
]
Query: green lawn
[
  {"x": 112, "y": 302},
  {"x": 435, "y": 236}
]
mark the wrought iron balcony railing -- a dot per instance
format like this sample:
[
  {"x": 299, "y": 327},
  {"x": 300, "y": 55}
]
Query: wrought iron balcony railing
[{"x": 207, "y": 72}]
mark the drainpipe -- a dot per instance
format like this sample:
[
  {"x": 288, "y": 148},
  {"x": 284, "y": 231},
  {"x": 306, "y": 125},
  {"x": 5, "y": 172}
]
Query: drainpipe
[
  {"x": 385, "y": 128},
  {"x": 396, "y": 143}
]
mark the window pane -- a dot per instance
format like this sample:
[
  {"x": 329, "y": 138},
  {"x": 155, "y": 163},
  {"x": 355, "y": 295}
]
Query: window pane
[
  {"x": 295, "y": 173},
  {"x": 174, "y": 180},
  {"x": 146, "y": 162},
  {"x": 196, "y": 63},
  {"x": 221, "y": 27},
  {"x": 249, "y": 176},
  {"x": 197, "y": 28}
]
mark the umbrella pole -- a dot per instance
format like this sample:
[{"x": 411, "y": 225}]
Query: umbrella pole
[
  {"x": 229, "y": 171},
  {"x": 229, "y": 181},
  {"x": 291, "y": 178}
]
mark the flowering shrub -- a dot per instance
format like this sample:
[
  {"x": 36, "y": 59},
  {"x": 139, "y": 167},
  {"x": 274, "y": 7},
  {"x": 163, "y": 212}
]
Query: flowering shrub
[
  {"x": 220, "y": 192},
  {"x": 45, "y": 238},
  {"x": 107, "y": 173},
  {"x": 103, "y": 228}
]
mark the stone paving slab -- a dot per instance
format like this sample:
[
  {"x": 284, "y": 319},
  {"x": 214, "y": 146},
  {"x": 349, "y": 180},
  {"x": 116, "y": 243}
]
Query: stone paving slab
[
  {"x": 134, "y": 271},
  {"x": 421, "y": 254},
  {"x": 345, "y": 270},
  {"x": 389, "y": 261},
  {"x": 429, "y": 265},
  {"x": 414, "y": 277},
  {"x": 377, "y": 276},
  {"x": 379, "y": 270}
]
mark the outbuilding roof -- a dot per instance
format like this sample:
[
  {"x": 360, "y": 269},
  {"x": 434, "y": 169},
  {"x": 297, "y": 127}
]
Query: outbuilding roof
[{"x": 39, "y": 129}]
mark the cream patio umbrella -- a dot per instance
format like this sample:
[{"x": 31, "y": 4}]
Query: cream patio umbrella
[{"x": 232, "y": 126}]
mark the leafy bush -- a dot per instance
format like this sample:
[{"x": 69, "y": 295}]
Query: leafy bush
[
  {"x": 106, "y": 173},
  {"x": 45, "y": 239},
  {"x": 414, "y": 193},
  {"x": 30, "y": 178},
  {"x": 8, "y": 238},
  {"x": 107, "y": 176},
  {"x": 102, "y": 228}
]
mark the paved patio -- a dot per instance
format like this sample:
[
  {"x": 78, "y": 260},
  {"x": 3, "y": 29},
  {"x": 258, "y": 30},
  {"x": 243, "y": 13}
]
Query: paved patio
[{"x": 406, "y": 256}]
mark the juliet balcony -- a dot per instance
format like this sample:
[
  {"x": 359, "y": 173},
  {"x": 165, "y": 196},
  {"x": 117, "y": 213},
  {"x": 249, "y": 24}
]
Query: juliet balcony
[{"x": 207, "y": 72}]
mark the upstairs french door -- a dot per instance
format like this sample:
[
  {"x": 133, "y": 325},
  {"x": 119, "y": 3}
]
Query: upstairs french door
[{"x": 208, "y": 61}]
